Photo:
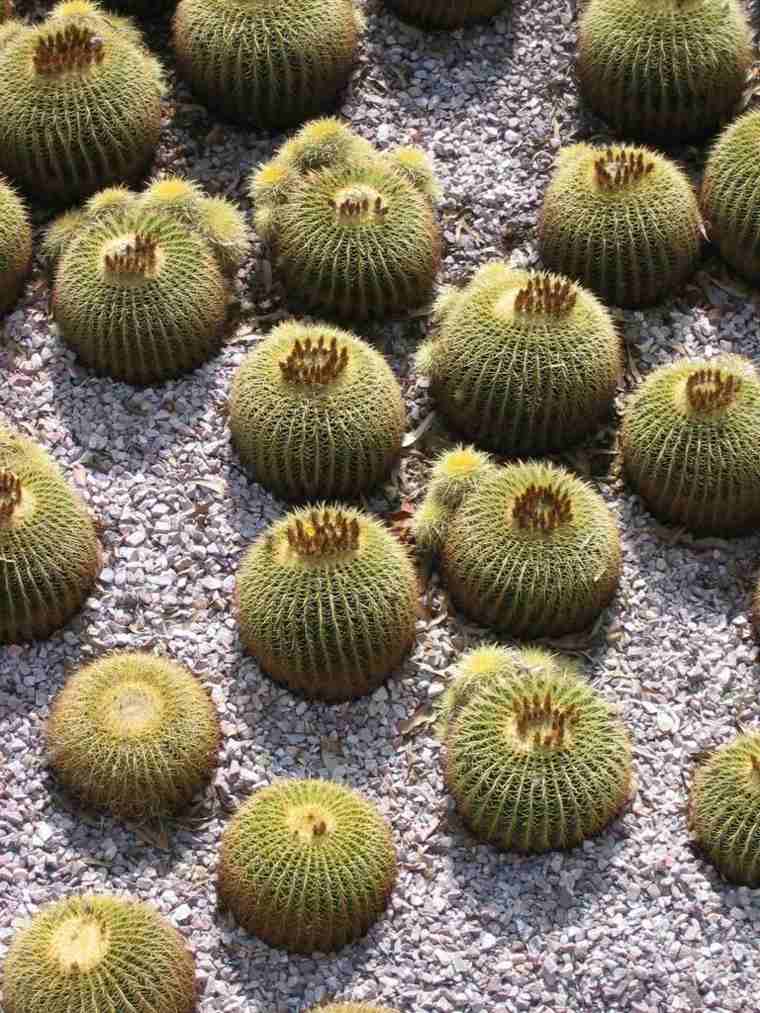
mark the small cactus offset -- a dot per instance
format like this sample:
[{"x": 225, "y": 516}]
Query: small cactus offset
[
  {"x": 446, "y": 13},
  {"x": 82, "y": 104},
  {"x": 533, "y": 551},
  {"x": 689, "y": 444},
  {"x": 454, "y": 475},
  {"x": 15, "y": 246},
  {"x": 316, "y": 413},
  {"x": 330, "y": 846},
  {"x": 668, "y": 71},
  {"x": 622, "y": 220},
  {"x": 93, "y": 953},
  {"x": 523, "y": 362},
  {"x": 270, "y": 64}
]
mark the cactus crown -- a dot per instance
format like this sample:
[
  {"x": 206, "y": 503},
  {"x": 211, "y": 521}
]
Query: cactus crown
[
  {"x": 709, "y": 390},
  {"x": 542, "y": 722},
  {"x": 10, "y": 493},
  {"x": 314, "y": 362},
  {"x": 132, "y": 256},
  {"x": 133, "y": 710},
  {"x": 327, "y": 533},
  {"x": 542, "y": 508},
  {"x": 75, "y": 47},
  {"x": 80, "y": 942},
  {"x": 617, "y": 169},
  {"x": 360, "y": 204},
  {"x": 542, "y": 296},
  {"x": 309, "y": 823}
]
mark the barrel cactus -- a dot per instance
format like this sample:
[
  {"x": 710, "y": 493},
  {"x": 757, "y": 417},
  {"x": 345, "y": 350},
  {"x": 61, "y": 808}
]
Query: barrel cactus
[
  {"x": 307, "y": 865},
  {"x": 665, "y": 70},
  {"x": 327, "y": 602},
  {"x": 15, "y": 246},
  {"x": 82, "y": 102},
  {"x": 270, "y": 64},
  {"x": 523, "y": 362},
  {"x": 446, "y": 13},
  {"x": 689, "y": 443},
  {"x": 622, "y": 220},
  {"x": 316, "y": 412},
  {"x": 49, "y": 551},
  {"x": 455, "y": 473},
  {"x": 535, "y": 758},
  {"x": 92, "y": 953},
  {"x": 533, "y": 551}
]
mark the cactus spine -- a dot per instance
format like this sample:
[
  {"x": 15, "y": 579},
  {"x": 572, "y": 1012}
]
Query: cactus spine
[
  {"x": 454, "y": 475},
  {"x": 15, "y": 246}
]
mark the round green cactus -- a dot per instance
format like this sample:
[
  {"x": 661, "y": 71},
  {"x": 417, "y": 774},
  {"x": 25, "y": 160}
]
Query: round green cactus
[
  {"x": 731, "y": 195},
  {"x": 15, "y": 246},
  {"x": 455, "y": 473},
  {"x": 316, "y": 412},
  {"x": 689, "y": 443},
  {"x": 446, "y": 13},
  {"x": 665, "y": 70},
  {"x": 532, "y": 550},
  {"x": 133, "y": 733},
  {"x": 307, "y": 865},
  {"x": 535, "y": 758},
  {"x": 96, "y": 953},
  {"x": 82, "y": 102},
  {"x": 267, "y": 62},
  {"x": 622, "y": 220},
  {"x": 327, "y": 602},
  {"x": 523, "y": 362},
  {"x": 49, "y": 551}
]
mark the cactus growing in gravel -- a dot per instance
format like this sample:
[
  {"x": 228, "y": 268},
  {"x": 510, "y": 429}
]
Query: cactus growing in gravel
[
  {"x": 455, "y": 473},
  {"x": 316, "y": 413},
  {"x": 533, "y": 551},
  {"x": 664, "y": 70},
  {"x": 446, "y": 13},
  {"x": 96, "y": 953},
  {"x": 15, "y": 246},
  {"x": 724, "y": 808},
  {"x": 81, "y": 102},
  {"x": 133, "y": 733},
  {"x": 307, "y": 865},
  {"x": 327, "y": 602},
  {"x": 535, "y": 758},
  {"x": 270, "y": 63},
  {"x": 689, "y": 443},
  {"x": 49, "y": 551},
  {"x": 622, "y": 220},
  {"x": 523, "y": 362}
]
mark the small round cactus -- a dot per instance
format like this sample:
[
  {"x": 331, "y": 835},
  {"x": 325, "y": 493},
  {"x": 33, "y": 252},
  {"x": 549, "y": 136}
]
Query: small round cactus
[
  {"x": 665, "y": 70},
  {"x": 82, "y": 102},
  {"x": 271, "y": 64},
  {"x": 307, "y": 865},
  {"x": 327, "y": 602},
  {"x": 689, "y": 443},
  {"x": 455, "y": 474},
  {"x": 446, "y": 13},
  {"x": 523, "y": 362},
  {"x": 535, "y": 758},
  {"x": 15, "y": 246},
  {"x": 316, "y": 413},
  {"x": 533, "y": 551},
  {"x": 724, "y": 808},
  {"x": 95, "y": 953},
  {"x": 622, "y": 220},
  {"x": 133, "y": 733},
  {"x": 49, "y": 551}
]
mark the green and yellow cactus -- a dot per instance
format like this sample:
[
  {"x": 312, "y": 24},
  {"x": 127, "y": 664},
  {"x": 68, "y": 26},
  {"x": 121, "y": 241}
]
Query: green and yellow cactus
[
  {"x": 307, "y": 865},
  {"x": 689, "y": 444},
  {"x": 82, "y": 102},
  {"x": 327, "y": 602},
  {"x": 523, "y": 362},
  {"x": 316, "y": 413},
  {"x": 622, "y": 220},
  {"x": 446, "y": 13},
  {"x": 93, "y": 953},
  {"x": 15, "y": 246},
  {"x": 49, "y": 551},
  {"x": 454, "y": 475}
]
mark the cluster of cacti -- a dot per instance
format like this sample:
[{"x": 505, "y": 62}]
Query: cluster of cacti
[
  {"x": 664, "y": 70},
  {"x": 622, "y": 220},
  {"x": 15, "y": 246},
  {"x": 94, "y": 953},
  {"x": 523, "y": 362},
  {"x": 327, "y": 602},
  {"x": 454, "y": 474},
  {"x": 307, "y": 865},
  {"x": 316, "y": 412},
  {"x": 82, "y": 102},
  {"x": 353, "y": 231},
  {"x": 446, "y": 13},
  {"x": 535, "y": 758},
  {"x": 689, "y": 443}
]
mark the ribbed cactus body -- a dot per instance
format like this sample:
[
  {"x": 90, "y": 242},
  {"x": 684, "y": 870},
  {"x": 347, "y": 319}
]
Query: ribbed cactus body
[
  {"x": 689, "y": 442},
  {"x": 454, "y": 475},
  {"x": 307, "y": 865},
  {"x": 446, "y": 13},
  {"x": 622, "y": 220},
  {"x": 523, "y": 362},
  {"x": 15, "y": 246},
  {"x": 49, "y": 551},
  {"x": 663, "y": 70},
  {"x": 266, "y": 62},
  {"x": 316, "y": 413},
  {"x": 533, "y": 551}
]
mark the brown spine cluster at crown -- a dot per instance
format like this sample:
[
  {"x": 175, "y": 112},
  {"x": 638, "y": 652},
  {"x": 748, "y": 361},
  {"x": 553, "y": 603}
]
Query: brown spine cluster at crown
[
  {"x": 10, "y": 493},
  {"x": 136, "y": 257},
  {"x": 708, "y": 390},
  {"x": 328, "y": 532},
  {"x": 70, "y": 48},
  {"x": 552, "y": 719},
  {"x": 614, "y": 170},
  {"x": 314, "y": 362},
  {"x": 541, "y": 508},
  {"x": 541, "y": 295},
  {"x": 360, "y": 207}
]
